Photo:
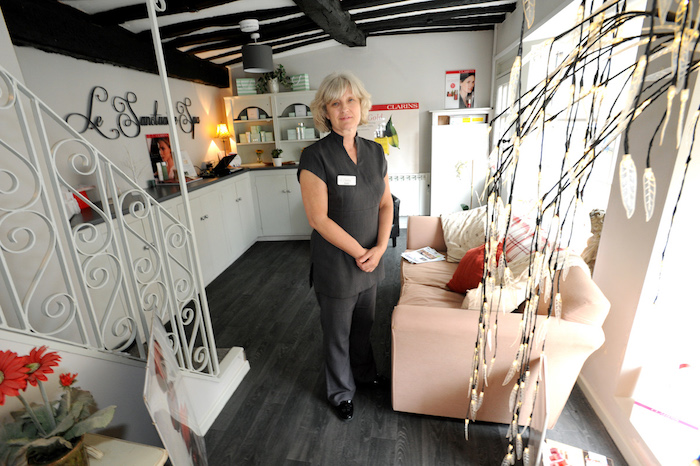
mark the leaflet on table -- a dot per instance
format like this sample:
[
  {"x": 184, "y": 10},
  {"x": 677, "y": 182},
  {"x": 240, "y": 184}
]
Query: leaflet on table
[
  {"x": 559, "y": 454},
  {"x": 426, "y": 254}
]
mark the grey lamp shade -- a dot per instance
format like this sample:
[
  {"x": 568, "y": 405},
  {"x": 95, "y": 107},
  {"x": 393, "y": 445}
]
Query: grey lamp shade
[{"x": 257, "y": 58}]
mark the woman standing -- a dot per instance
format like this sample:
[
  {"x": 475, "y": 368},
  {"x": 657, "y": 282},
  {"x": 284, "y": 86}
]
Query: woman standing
[{"x": 345, "y": 189}]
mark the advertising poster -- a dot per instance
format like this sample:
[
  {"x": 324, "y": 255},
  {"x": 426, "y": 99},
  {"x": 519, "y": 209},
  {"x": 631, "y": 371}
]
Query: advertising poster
[
  {"x": 167, "y": 403},
  {"x": 395, "y": 127},
  {"x": 459, "y": 88}
]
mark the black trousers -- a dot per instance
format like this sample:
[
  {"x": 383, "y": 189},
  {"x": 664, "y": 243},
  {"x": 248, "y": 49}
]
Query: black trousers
[{"x": 347, "y": 323}]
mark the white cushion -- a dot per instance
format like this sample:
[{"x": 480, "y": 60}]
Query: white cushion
[{"x": 463, "y": 231}]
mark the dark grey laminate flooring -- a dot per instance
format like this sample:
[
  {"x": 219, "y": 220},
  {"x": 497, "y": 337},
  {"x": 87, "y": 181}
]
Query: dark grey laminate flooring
[{"x": 279, "y": 415}]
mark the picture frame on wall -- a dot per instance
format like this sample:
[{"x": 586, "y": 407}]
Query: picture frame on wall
[{"x": 460, "y": 86}]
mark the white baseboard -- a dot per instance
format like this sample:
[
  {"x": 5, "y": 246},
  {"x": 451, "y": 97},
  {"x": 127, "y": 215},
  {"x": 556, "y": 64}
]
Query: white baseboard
[
  {"x": 209, "y": 395},
  {"x": 632, "y": 447}
]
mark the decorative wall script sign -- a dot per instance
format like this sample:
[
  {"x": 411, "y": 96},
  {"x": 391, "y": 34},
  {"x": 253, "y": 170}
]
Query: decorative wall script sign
[{"x": 127, "y": 123}]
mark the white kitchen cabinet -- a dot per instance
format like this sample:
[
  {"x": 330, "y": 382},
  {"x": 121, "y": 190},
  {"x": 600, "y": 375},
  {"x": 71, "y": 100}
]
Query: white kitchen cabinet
[
  {"x": 239, "y": 215},
  {"x": 207, "y": 217},
  {"x": 279, "y": 201}
]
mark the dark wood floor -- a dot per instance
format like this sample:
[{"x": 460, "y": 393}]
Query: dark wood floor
[{"x": 279, "y": 415}]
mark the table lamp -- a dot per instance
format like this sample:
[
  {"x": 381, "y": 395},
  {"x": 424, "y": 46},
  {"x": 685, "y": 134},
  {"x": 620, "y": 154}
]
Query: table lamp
[{"x": 223, "y": 133}]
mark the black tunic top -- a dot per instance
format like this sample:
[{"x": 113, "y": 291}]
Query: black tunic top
[{"x": 354, "y": 194}]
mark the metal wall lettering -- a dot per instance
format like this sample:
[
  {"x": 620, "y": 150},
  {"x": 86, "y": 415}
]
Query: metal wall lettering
[{"x": 127, "y": 123}]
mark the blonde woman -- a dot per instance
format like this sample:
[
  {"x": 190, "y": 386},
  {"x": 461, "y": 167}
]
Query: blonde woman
[{"x": 345, "y": 189}]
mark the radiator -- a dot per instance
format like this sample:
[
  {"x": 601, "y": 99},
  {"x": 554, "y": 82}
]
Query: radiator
[{"x": 413, "y": 189}]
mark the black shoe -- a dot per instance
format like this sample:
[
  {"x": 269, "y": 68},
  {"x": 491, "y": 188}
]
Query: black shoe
[
  {"x": 379, "y": 382},
  {"x": 344, "y": 410}
]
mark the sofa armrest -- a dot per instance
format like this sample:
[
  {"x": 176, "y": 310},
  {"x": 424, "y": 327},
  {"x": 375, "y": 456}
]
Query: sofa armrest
[
  {"x": 432, "y": 351},
  {"x": 425, "y": 231}
]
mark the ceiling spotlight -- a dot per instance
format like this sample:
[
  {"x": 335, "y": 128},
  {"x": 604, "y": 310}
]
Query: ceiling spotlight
[{"x": 257, "y": 58}]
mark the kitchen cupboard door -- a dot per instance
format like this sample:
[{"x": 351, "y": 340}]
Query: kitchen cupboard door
[
  {"x": 273, "y": 204},
  {"x": 299, "y": 223},
  {"x": 212, "y": 244}
]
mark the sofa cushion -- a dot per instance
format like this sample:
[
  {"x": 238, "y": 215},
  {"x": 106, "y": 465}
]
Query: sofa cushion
[
  {"x": 435, "y": 274},
  {"x": 513, "y": 293},
  {"x": 471, "y": 269},
  {"x": 463, "y": 231},
  {"x": 416, "y": 294}
]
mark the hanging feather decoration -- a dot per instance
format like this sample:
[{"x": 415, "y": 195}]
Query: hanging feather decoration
[
  {"x": 681, "y": 116},
  {"x": 690, "y": 37},
  {"x": 649, "y": 192},
  {"x": 513, "y": 396},
  {"x": 526, "y": 456},
  {"x": 529, "y": 12},
  {"x": 670, "y": 95},
  {"x": 513, "y": 85},
  {"x": 466, "y": 429},
  {"x": 519, "y": 445},
  {"x": 628, "y": 183}
]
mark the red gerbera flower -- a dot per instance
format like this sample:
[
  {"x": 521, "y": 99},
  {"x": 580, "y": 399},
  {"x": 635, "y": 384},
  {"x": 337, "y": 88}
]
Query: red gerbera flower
[
  {"x": 40, "y": 364},
  {"x": 67, "y": 379},
  {"x": 13, "y": 374}
]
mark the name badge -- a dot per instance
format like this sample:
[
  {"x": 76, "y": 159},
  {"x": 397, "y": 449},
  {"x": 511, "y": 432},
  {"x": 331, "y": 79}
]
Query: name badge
[{"x": 347, "y": 180}]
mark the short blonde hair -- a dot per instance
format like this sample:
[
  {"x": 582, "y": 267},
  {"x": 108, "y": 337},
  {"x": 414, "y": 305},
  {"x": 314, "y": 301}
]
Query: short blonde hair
[{"x": 331, "y": 89}]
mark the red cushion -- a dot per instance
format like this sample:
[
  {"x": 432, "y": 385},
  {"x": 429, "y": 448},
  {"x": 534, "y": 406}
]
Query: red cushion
[{"x": 471, "y": 269}]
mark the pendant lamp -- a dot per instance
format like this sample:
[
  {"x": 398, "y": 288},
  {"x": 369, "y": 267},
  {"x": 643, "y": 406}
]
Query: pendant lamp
[{"x": 257, "y": 58}]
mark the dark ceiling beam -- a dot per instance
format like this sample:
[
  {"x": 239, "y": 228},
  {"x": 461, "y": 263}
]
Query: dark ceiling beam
[
  {"x": 330, "y": 16},
  {"x": 417, "y": 7},
  {"x": 139, "y": 11},
  {"x": 430, "y": 21},
  {"x": 53, "y": 27},
  {"x": 356, "y": 4}
]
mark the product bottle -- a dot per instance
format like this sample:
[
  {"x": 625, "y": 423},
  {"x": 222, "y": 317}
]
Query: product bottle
[{"x": 300, "y": 130}]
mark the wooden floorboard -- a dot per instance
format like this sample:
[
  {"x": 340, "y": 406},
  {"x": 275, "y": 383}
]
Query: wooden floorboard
[{"x": 279, "y": 414}]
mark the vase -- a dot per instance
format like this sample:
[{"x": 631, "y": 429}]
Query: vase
[
  {"x": 273, "y": 85},
  {"x": 78, "y": 456}
]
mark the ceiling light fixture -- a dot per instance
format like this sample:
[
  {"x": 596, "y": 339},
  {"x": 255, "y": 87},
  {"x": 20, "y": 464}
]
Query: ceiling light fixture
[{"x": 257, "y": 58}]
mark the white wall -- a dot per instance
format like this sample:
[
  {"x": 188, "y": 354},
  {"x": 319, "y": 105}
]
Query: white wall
[
  {"x": 65, "y": 85},
  {"x": 400, "y": 69}
]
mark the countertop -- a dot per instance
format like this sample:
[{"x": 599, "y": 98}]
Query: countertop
[{"x": 164, "y": 192}]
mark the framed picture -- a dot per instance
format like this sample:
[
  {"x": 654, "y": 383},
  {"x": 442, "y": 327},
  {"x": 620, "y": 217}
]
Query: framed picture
[
  {"x": 459, "y": 88},
  {"x": 161, "y": 155}
]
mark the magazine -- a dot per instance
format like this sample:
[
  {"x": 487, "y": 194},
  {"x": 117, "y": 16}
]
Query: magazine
[
  {"x": 559, "y": 454},
  {"x": 426, "y": 254}
]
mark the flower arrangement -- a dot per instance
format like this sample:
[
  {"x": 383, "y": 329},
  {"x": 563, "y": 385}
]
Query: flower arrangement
[{"x": 44, "y": 432}]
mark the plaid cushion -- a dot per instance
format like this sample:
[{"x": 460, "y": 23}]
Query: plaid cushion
[{"x": 519, "y": 239}]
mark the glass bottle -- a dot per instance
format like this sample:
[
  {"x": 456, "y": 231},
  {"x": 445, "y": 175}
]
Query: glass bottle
[{"x": 300, "y": 130}]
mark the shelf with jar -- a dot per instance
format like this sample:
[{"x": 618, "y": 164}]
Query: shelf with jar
[{"x": 289, "y": 110}]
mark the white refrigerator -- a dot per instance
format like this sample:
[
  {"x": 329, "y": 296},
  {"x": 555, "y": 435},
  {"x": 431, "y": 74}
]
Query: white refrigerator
[{"x": 459, "y": 165}]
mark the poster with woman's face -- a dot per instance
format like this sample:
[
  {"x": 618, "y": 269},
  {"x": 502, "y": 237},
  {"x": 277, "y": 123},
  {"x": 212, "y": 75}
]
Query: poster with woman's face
[
  {"x": 459, "y": 88},
  {"x": 159, "y": 151}
]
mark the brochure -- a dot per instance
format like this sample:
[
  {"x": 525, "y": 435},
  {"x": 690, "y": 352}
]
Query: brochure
[
  {"x": 560, "y": 454},
  {"x": 426, "y": 254}
]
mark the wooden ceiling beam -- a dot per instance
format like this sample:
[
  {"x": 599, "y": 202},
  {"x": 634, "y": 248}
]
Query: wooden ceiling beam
[
  {"x": 430, "y": 21},
  {"x": 54, "y": 27},
  {"x": 330, "y": 16}
]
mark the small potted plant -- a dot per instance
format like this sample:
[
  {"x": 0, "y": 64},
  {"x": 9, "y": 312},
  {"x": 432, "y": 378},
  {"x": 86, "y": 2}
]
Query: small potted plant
[
  {"x": 277, "y": 157},
  {"x": 271, "y": 81}
]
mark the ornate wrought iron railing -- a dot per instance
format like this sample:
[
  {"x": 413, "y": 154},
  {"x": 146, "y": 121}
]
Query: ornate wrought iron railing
[{"x": 93, "y": 283}]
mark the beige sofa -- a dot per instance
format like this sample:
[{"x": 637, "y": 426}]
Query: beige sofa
[{"x": 433, "y": 339}]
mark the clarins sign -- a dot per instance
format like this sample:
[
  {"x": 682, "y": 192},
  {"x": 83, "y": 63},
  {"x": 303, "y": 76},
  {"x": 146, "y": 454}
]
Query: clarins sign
[{"x": 126, "y": 122}]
